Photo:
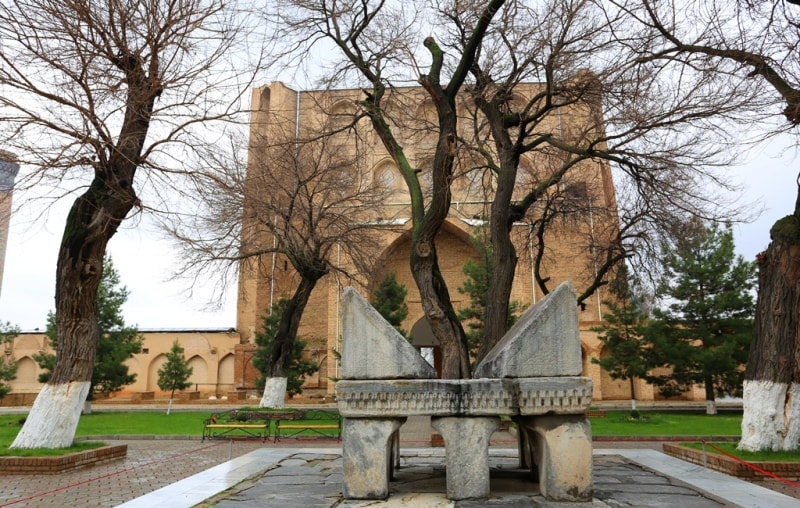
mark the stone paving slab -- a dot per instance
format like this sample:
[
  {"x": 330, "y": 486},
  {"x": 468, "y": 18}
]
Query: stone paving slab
[{"x": 312, "y": 478}]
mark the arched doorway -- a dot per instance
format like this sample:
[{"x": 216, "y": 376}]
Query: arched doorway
[{"x": 427, "y": 344}]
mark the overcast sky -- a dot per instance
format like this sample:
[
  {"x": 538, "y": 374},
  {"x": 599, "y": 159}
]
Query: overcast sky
[{"x": 145, "y": 261}]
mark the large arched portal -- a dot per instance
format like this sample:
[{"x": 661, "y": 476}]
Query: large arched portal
[{"x": 454, "y": 249}]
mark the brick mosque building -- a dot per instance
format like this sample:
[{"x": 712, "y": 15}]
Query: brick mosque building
[
  {"x": 8, "y": 172},
  {"x": 222, "y": 359},
  {"x": 278, "y": 109}
]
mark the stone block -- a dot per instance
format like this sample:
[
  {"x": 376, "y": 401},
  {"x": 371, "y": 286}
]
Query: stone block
[
  {"x": 466, "y": 442},
  {"x": 138, "y": 397},
  {"x": 372, "y": 348},
  {"x": 367, "y": 456},
  {"x": 545, "y": 341},
  {"x": 563, "y": 454}
]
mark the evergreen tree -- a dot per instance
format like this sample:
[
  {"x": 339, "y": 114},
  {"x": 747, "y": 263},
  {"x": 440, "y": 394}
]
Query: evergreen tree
[
  {"x": 299, "y": 367},
  {"x": 390, "y": 301},
  {"x": 117, "y": 343},
  {"x": 622, "y": 333},
  {"x": 476, "y": 288},
  {"x": 704, "y": 331},
  {"x": 174, "y": 374},
  {"x": 8, "y": 368}
]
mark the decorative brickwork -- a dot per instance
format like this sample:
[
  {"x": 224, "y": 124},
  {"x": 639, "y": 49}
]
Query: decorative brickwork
[{"x": 55, "y": 465}]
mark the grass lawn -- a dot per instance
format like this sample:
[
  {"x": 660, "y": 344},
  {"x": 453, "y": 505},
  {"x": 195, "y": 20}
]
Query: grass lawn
[
  {"x": 616, "y": 423},
  {"x": 667, "y": 423},
  {"x": 78, "y": 446},
  {"x": 748, "y": 456},
  {"x": 98, "y": 424},
  {"x": 128, "y": 423}
]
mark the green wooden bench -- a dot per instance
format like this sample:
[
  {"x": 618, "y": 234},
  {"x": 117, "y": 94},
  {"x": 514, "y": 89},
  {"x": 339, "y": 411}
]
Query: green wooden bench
[
  {"x": 231, "y": 423},
  {"x": 313, "y": 421}
]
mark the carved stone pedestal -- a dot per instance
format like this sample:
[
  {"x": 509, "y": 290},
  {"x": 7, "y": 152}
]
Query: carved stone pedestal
[
  {"x": 367, "y": 450},
  {"x": 467, "y": 454},
  {"x": 561, "y": 448},
  {"x": 532, "y": 375}
]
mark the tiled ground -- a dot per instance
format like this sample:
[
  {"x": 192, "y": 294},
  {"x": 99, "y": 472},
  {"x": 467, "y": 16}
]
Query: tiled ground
[{"x": 149, "y": 465}]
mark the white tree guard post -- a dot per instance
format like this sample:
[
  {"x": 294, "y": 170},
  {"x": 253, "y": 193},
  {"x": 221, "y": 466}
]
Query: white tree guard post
[
  {"x": 53, "y": 417},
  {"x": 772, "y": 418},
  {"x": 274, "y": 393}
]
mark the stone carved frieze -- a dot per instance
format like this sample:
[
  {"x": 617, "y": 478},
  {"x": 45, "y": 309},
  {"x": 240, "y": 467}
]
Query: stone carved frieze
[
  {"x": 472, "y": 397},
  {"x": 560, "y": 395}
]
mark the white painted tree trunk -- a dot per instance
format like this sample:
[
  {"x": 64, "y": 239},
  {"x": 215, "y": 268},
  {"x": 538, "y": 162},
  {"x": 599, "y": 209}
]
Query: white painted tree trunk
[
  {"x": 274, "y": 393},
  {"x": 711, "y": 407},
  {"x": 53, "y": 417},
  {"x": 772, "y": 416},
  {"x": 169, "y": 406},
  {"x": 633, "y": 404}
]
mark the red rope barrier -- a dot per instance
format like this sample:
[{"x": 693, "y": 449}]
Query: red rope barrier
[{"x": 753, "y": 466}]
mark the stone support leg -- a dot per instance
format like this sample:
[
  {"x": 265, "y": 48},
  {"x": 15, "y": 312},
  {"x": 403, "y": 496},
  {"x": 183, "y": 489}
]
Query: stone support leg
[
  {"x": 563, "y": 452},
  {"x": 367, "y": 456},
  {"x": 466, "y": 441}
]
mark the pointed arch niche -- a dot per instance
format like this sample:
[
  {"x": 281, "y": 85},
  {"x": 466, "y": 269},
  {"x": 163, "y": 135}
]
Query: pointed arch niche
[{"x": 454, "y": 249}]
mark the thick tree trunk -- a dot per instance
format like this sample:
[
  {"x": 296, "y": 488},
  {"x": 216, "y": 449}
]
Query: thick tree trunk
[
  {"x": 92, "y": 221},
  {"x": 504, "y": 255},
  {"x": 90, "y": 225},
  {"x": 424, "y": 260},
  {"x": 439, "y": 311},
  {"x": 711, "y": 402},
  {"x": 54, "y": 416},
  {"x": 274, "y": 395},
  {"x": 771, "y": 391}
]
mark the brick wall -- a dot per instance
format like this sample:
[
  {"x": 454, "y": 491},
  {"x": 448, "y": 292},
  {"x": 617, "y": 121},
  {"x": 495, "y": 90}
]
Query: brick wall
[{"x": 55, "y": 465}]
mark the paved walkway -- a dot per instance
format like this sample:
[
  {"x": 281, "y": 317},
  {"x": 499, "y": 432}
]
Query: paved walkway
[
  {"x": 312, "y": 478},
  {"x": 178, "y": 473}
]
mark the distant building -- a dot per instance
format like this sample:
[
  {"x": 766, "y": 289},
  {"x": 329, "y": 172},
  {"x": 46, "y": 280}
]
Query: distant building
[
  {"x": 280, "y": 113},
  {"x": 8, "y": 172}
]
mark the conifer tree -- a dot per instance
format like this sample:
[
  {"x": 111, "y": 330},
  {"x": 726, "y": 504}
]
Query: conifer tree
[
  {"x": 390, "y": 301},
  {"x": 174, "y": 374},
  {"x": 8, "y": 367},
  {"x": 622, "y": 333},
  {"x": 476, "y": 288},
  {"x": 703, "y": 334}
]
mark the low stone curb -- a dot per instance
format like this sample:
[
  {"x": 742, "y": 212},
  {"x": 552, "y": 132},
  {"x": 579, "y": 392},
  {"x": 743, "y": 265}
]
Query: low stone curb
[
  {"x": 729, "y": 466},
  {"x": 61, "y": 463}
]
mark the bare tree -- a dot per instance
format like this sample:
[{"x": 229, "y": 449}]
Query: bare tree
[
  {"x": 376, "y": 41},
  {"x": 112, "y": 95},
  {"x": 751, "y": 42},
  {"x": 663, "y": 134},
  {"x": 301, "y": 198},
  {"x": 556, "y": 102}
]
